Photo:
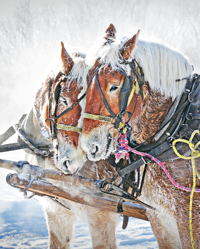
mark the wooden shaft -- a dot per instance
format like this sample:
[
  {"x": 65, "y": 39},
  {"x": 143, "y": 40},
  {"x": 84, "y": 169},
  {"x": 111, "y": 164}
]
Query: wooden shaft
[
  {"x": 39, "y": 172},
  {"x": 72, "y": 194}
]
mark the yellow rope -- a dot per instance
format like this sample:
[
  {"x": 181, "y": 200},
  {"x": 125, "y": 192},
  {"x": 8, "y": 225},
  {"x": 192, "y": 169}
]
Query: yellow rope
[{"x": 195, "y": 153}]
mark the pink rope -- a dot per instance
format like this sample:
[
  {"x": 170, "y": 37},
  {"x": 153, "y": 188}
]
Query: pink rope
[{"x": 124, "y": 147}]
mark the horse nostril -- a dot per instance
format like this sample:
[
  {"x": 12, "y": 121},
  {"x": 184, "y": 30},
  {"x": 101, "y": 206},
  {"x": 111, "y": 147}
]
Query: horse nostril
[
  {"x": 94, "y": 150},
  {"x": 65, "y": 165}
]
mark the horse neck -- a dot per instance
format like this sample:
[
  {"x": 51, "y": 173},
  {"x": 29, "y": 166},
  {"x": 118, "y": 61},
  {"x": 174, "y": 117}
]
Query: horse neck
[{"x": 153, "y": 112}]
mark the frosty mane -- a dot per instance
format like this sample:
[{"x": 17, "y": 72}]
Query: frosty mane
[
  {"x": 79, "y": 70},
  {"x": 161, "y": 65}
]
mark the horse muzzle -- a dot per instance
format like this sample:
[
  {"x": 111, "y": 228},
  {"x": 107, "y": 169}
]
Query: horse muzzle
[{"x": 97, "y": 149}]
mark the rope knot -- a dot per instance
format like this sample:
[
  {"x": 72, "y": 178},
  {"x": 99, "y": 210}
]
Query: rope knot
[
  {"x": 123, "y": 149},
  {"x": 195, "y": 152}
]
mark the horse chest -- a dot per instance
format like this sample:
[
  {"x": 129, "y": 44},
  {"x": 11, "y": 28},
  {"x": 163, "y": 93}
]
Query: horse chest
[{"x": 159, "y": 192}]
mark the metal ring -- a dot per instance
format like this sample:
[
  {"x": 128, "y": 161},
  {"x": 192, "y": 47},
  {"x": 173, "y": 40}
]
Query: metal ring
[{"x": 189, "y": 98}]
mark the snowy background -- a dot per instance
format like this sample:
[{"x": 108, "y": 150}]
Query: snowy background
[{"x": 30, "y": 35}]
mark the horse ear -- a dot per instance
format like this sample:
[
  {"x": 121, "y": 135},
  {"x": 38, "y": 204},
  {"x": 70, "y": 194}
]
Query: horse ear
[
  {"x": 128, "y": 47},
  {"x": 66, "y": 59},
  {"x": 110, "y": 32}
]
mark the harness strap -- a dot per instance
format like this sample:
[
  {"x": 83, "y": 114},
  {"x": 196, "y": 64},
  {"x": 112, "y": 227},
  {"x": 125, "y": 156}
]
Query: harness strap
[
  {"x": 31, "y": 146},
  {"x": 131, "y": 167},
  {"x": 103, "y": 98},
  {"x": 71, "y": 107},
  {"x": 98, "y": 117},
  {"x": 11, "y": 131},
  {"x": 162, "y": 152},
  {"x": 68, "y": 128}
]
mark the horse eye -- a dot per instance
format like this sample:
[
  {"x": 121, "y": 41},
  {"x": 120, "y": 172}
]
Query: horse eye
[
  {"x": 113, "y": 88},
  {"x": 64, "y": 100}
]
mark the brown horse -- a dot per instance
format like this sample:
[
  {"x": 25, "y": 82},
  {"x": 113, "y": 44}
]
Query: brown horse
[
  {"x": 49, "y": 122},
  {"x": 155, "y": 78},
  {"x": 66, "y": 87}
]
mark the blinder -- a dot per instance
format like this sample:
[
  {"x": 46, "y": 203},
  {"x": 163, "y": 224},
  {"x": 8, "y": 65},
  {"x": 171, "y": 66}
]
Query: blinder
[
  {"x": 124, "y": 93},
  {"x": 56, "y": 95}
]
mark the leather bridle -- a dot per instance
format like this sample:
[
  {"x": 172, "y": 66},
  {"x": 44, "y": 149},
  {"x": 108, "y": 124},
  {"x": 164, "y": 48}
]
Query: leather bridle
[
  {"x": 53, "y": 102},
  {"x": 126, "y": 94}
]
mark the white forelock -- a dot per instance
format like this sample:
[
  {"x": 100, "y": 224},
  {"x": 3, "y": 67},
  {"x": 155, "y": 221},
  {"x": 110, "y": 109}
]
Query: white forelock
[
  {"x": 161, "y": 65},
  {"x": 106, "y": 52}
]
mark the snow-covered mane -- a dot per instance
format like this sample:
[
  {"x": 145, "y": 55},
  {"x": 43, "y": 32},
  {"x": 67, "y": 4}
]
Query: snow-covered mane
[
  {"x": 79, "y": 70},
  {"x": 161, "y": 65}
]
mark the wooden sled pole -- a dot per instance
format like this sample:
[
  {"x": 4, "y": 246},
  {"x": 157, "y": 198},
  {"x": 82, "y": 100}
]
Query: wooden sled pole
[
  {"x": 39, "y": 172},
  {"x": 87, "y": 188},
  {"x": 72, "y": 194}
]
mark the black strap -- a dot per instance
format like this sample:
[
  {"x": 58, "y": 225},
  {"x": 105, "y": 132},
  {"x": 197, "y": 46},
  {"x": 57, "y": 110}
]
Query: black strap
[
  {"x": 133, "y": 166},
  {"x": 82, "y": 97},
  {"x": 142, "y": 181},
  {"x": 125, "y": 221},
  {"x": 175, "y": 119},
  {"x": 71, "y": 107},
  {"x": 103, "y": 98}
]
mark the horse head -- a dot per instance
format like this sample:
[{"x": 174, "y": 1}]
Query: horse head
[
  {"x": 130, "y": 85},
  {"x": 60, "y": 111}
]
